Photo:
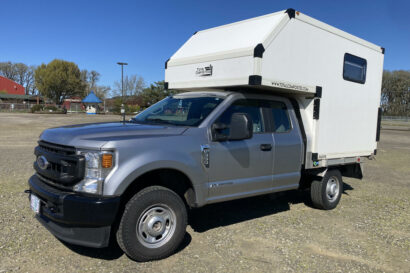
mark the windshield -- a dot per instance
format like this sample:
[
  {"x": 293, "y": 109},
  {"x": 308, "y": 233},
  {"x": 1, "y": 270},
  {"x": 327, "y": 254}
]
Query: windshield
[{"x": 178, "y": 111}]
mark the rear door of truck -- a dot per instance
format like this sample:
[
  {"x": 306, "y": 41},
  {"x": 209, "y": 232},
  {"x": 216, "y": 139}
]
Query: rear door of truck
[{"x": 288, "y": 143}]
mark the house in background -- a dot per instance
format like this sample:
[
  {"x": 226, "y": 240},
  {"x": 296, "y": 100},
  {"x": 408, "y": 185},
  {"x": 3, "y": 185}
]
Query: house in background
[
  {"x": 73, "y": 104},
  {"x": 12, "y": 92},
  {"x": 91, "y": 103}
]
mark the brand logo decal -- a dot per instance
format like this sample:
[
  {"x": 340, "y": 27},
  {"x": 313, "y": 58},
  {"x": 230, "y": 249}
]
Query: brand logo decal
[
  {"x": 204, "y": 71},
  {"x": 290, "y": 86},
  {"x": 42, "y": 162}
]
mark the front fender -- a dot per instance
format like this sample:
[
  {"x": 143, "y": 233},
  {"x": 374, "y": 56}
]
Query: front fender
[{"x": 128, "y": 171}]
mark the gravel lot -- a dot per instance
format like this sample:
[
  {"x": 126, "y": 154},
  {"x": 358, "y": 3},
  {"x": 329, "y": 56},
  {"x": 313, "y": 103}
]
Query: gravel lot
[{"x": 368, "y": 232}]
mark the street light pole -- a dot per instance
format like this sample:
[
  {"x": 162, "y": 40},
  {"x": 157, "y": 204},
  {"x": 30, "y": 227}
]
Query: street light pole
[{"x": 122, "y": 90}]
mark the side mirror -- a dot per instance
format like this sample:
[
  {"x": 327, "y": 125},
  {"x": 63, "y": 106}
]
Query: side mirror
[
  {"x": 218, "y": 133},
  {"x": 241, "y": 127}
]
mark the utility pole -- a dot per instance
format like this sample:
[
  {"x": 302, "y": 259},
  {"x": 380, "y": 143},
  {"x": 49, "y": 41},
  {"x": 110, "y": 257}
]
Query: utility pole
[{"x": 122, "y": 90}]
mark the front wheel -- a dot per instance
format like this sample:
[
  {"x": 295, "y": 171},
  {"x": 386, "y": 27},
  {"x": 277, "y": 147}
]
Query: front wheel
[
  {"x": 326, "y": 193},
  {"x": 153, "y": 224}
]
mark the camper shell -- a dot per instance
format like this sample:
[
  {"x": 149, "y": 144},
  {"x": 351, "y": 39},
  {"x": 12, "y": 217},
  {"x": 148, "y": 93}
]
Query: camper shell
[{"x": 334, "y": 77}]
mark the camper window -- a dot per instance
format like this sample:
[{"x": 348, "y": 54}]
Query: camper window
[{"x": 354, "y": 68}]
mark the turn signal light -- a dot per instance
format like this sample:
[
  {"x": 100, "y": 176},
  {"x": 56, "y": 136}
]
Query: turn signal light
[{"x": 106, "y": 160}]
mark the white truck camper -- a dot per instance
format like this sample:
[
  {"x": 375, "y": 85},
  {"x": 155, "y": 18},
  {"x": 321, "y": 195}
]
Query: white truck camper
[{"x": 333, "y": 78}]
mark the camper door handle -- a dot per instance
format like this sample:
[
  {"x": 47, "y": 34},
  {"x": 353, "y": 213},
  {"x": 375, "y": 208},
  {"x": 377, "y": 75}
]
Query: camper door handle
[{"x": 266, "y": 147}]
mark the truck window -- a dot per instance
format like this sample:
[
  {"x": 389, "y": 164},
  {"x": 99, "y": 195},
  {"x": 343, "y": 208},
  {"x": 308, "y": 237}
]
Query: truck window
[
  {"x": 281, "y": 122},
  {"x": 250, "y": 107},
  {"x": 354, "y": 68},
  {"x": 178, "y": 111}
]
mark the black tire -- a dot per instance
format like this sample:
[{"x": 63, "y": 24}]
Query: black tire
[
  {"x": 321, "y": 194},
  {"x": 143, "y": 209}
]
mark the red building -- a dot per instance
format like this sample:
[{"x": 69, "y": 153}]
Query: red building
[{"x": 11, "y": 87}]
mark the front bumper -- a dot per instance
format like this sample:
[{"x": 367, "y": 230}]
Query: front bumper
[{"x": 75, "y": 218}]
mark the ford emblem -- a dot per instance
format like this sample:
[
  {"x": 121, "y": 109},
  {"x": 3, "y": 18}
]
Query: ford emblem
[{"x": 42, "y": 162}]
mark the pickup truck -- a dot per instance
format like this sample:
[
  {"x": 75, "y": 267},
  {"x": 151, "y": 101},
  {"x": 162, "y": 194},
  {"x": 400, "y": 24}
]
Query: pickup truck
[
  {"x": 138, "y": 178},
  {"x": 274, "y": 103}
]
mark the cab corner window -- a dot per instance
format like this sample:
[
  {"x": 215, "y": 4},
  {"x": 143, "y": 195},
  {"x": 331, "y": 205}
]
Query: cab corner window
[
  {"x": 281, "y": 122},
  {"x": 354, "y": 68}
]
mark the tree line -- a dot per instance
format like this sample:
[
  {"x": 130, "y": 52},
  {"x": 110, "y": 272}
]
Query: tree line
[{"x": 61, "y": 79}]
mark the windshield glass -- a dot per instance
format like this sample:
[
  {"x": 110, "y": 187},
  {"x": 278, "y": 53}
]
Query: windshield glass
[{"x": 178, "y": 111}]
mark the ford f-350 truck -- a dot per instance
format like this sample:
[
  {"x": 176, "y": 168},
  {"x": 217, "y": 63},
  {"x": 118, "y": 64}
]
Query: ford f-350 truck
[{"x": 293, "y": 104}]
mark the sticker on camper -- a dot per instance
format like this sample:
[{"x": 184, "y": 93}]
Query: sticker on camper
[
  {"x": 204, "y": 71},
  {"x": 290, "y": 86}
]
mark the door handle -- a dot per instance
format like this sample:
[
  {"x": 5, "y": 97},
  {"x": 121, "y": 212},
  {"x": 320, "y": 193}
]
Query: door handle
[{"x": 266, "y": 147}]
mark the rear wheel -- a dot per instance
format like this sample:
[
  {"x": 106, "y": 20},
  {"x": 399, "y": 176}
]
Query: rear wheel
[
  {"x": 153, "y": 224},
  {"x": 326, "y": 193}
]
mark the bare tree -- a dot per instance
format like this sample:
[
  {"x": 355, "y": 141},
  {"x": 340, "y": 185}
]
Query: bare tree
[
  {"x": 133, "y": 86},
  {"x": 20, "y": 73}
]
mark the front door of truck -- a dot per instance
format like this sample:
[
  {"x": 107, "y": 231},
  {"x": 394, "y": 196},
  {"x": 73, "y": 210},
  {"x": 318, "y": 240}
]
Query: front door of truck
[{"x": 241, "y": 167}]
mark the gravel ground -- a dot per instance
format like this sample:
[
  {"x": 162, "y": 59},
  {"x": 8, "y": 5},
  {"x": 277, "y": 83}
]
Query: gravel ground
[{"x": 368, "y": 232}]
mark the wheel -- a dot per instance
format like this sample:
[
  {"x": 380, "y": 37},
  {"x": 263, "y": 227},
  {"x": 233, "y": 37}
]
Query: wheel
[
  {"x": 326, "y": 193},
  {"x": 153, "y": 224}
]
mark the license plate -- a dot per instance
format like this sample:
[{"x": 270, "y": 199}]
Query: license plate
[{"x": 35, "y": 203}]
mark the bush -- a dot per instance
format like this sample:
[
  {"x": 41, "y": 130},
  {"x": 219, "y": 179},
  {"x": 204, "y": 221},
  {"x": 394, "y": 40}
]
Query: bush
[
  {"x": 50, "y": 107},
  {"x": 36, "y": 108}
]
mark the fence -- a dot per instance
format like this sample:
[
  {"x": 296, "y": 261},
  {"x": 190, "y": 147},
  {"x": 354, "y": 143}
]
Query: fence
[
  {"x": 25, "y": 107},
  {"x": 16, "y": 107},
  {"x": 396, "y": 118}
]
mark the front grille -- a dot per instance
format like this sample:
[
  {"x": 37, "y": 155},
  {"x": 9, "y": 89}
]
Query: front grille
[
  {"x": 63, "y": 165},
  {"x": 56, "y": 148}
]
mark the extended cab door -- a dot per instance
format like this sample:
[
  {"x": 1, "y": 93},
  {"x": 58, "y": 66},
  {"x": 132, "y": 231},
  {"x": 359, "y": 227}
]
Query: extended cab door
[
  {"x": 242, "y": 167},
  {"x": 288, "y": 144}
]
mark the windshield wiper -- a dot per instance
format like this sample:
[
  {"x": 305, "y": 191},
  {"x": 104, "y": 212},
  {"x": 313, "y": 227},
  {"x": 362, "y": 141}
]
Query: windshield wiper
[{"x": 158, "y": 120}]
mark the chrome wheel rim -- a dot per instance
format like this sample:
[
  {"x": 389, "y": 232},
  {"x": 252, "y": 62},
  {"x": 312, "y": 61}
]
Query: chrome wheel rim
[
  {"x": 332, "y": 189},
  {"x": 156, "y": 226}
]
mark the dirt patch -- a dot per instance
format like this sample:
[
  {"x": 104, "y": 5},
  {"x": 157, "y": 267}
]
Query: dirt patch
[{"x": 368, "y": 232}]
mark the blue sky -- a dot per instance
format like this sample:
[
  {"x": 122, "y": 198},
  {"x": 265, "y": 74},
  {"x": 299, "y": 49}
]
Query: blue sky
[{"x": 97, "y": 34}]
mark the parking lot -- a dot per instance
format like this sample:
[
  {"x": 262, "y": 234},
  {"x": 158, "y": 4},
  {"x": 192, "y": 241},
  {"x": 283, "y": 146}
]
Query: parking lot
[{"x": 368, "y": 232}]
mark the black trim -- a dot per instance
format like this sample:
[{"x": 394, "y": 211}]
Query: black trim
[
  {"x": 258, "y": 51},
  {"x": 166, "y": 85},
  {"x": 166, "y": 63},
  {"x": 379, "y": 121},
  {"x": 315, "y": 157},
  {"x": 291, "y": 13},
  {"x": 318, "y": 93},
  {"x": 195, "y": 32},
  {"x": 74, "y": 209},
  {"x": 383, "y": 49},
  {"x": 97, "y": 237},
  {"x": 255, "y": 80},
  {"x": 316, "y": 108},
  {"x": 375, "y": 152},
  {"x": 296, "y": 108}
]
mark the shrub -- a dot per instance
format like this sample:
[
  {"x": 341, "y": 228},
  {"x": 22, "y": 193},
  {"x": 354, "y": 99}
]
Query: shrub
[
  {"x": 36, "y": 108},
  {"x": 50, "y": 107}
]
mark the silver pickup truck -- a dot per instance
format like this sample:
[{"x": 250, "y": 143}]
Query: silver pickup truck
[{"x": 138, "y": 179}]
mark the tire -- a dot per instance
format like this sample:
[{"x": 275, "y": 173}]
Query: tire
[
  {"x": 153, "y": 224},
  {"x": 326, "y": 193}
]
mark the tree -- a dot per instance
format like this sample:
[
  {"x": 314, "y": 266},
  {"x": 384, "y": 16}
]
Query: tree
[
  {"x": 133, "y": 86},
  {"x": 20, "y": 73},
  {"x": 155, "y": 93},
  {"x": 102, "y": 91},
  {"x": 395, "y": 97},
  {"x": 58, "y": 80}
]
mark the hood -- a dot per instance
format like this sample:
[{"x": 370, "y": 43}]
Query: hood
[{"x": 95, "y": 135}]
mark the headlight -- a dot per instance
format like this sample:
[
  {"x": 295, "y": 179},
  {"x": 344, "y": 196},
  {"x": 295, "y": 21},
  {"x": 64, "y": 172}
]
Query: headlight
[{"x": 98, "y": 165}]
